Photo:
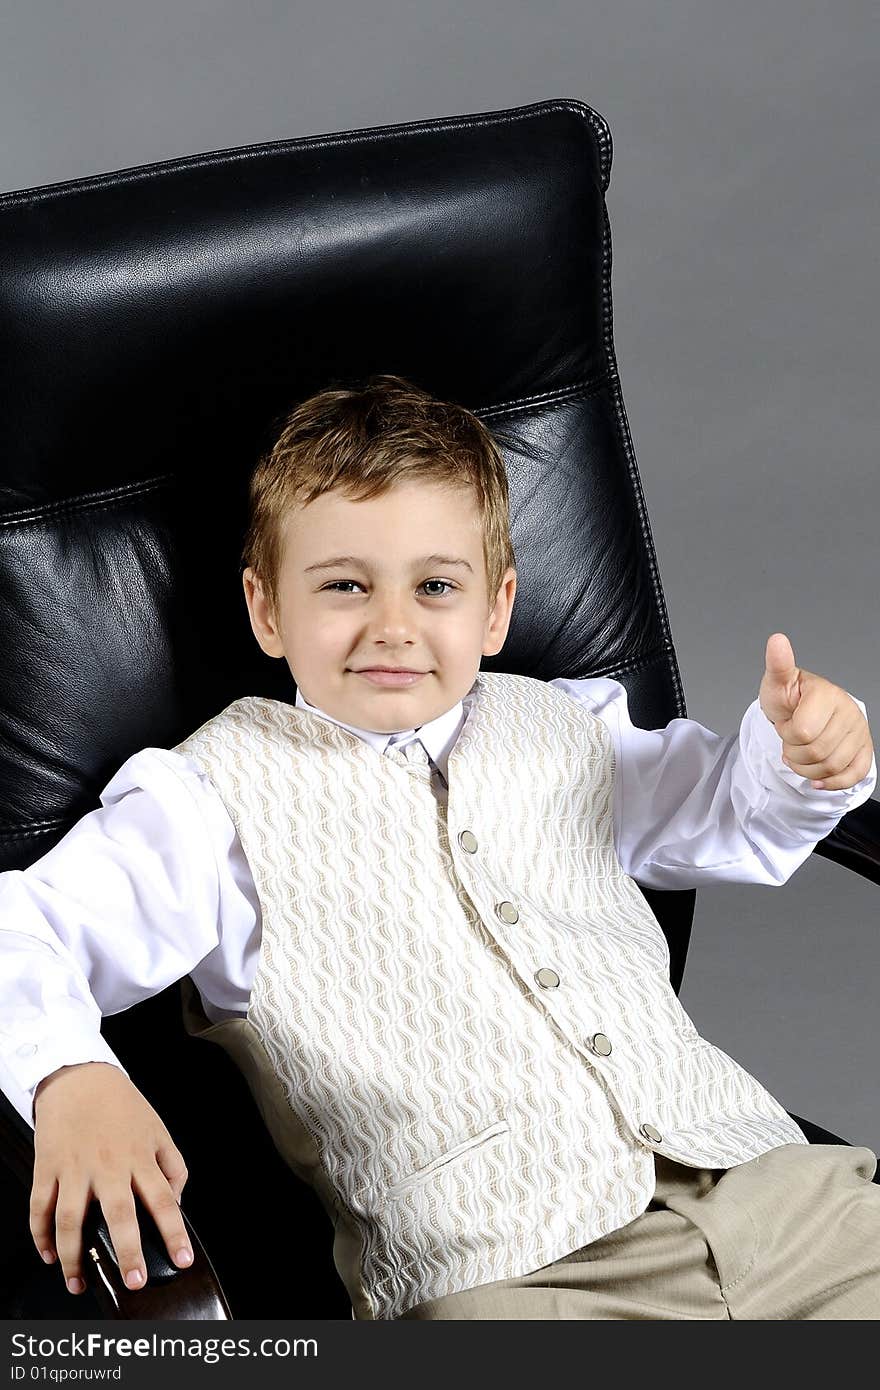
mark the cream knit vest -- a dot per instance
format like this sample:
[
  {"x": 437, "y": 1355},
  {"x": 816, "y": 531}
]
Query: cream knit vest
[{"x": 461, "y": 1017}]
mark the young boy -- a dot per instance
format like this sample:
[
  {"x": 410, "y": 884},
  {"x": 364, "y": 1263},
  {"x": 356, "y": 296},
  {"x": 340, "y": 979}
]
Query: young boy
[{"x": 408, "y": 908}]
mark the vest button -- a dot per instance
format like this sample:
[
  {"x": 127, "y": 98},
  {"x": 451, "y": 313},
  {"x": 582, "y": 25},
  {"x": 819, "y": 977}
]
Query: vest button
[
  {"x": 547, "y": 978},
  {"x": 651, "y": 1134},
  {"x": 507, "y": 912},
  {"x": 468, "y": 841},
  {"x": 600, "y": 1044}
]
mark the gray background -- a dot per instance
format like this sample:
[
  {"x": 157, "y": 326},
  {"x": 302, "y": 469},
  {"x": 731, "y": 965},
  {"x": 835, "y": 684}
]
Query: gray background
[{"x": 743, "y": 205}]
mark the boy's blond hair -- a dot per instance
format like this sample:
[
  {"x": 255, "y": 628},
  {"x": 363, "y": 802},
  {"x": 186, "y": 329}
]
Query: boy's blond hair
[{"x": 363, "y": 441}]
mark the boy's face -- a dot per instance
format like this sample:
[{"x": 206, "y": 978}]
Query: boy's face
[{"x": 387, "y": 606}]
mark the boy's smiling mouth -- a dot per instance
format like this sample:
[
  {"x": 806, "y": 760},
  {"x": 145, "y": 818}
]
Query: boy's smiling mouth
[{"x": 389, "y": 675}]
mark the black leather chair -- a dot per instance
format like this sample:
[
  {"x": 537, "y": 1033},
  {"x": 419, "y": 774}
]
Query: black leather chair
[{"x": 156, "y": 323}]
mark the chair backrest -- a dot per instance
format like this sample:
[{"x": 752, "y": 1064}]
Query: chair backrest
[
  {"x": 156, "y": 324},
  {"x": 159, "y": 321}
]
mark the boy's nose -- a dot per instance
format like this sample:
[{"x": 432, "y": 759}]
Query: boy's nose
[{"x": 393, "y": 618}]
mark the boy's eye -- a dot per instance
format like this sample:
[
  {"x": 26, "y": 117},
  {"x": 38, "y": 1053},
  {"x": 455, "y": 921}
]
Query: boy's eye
[{"x": 340, "y": 583}]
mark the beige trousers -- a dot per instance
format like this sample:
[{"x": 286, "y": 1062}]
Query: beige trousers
[{"x": 793, "y": 1234}]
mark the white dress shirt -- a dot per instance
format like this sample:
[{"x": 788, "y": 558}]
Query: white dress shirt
[{"x": 154, "y": 885}]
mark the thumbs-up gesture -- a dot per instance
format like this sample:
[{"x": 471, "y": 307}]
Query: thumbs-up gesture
[{"x": 824, "y": 734}]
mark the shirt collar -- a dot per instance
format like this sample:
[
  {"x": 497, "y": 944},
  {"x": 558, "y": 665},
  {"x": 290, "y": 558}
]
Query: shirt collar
[{"x": 437, "y": 737}]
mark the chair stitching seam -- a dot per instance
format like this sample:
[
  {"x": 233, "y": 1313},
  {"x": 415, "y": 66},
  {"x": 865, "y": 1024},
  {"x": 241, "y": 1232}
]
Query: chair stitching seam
[
  {"x": 70, "y": 506},
  {"x": 28, "y": 827},
  {"x": 350, "y": 138},
  {"x": 582, "y": 388}
]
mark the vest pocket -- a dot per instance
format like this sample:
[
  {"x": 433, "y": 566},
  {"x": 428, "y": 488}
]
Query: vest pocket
[{"x": 474, "y": 1141}]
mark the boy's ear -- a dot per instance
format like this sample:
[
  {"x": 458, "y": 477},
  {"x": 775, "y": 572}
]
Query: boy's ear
[
  {"x": 260, "y": 613},
  {"x": 499, "y": 618}
]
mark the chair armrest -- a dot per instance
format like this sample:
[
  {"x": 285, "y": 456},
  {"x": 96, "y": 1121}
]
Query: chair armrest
[
  {"x": 170, "y": 1293},
  {"x": 192, "y": 1294},
  {"x": 855, "y": 841}
]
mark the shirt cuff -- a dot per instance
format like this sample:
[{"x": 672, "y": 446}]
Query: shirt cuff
[
  {"x": 762, "y": 739},
  {"x": 29, "y": 1062}
]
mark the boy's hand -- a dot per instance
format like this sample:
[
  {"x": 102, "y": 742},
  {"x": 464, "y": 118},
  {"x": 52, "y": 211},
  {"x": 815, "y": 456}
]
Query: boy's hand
[
  {"x": 824, "y": 733},
  {"x": 96, "y": 1135}
]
